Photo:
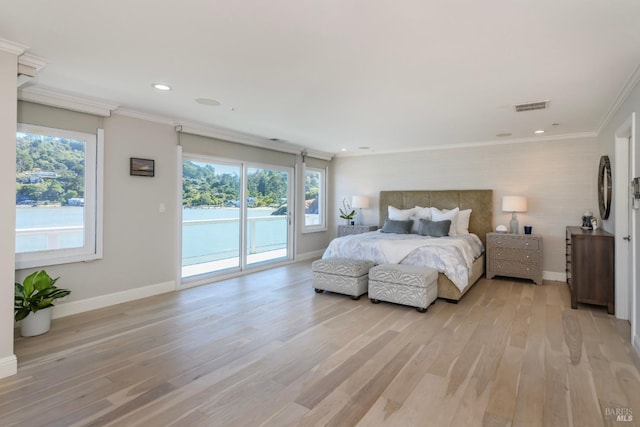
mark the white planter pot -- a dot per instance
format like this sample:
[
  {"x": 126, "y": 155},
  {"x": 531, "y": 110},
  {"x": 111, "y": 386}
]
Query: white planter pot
[{"x": 36, "y": 323}]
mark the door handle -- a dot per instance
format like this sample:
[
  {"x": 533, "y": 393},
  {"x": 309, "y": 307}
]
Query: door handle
[{"x": 628, "y": 238}]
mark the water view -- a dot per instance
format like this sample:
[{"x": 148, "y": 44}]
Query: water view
[{"x": 208, "y": 234}]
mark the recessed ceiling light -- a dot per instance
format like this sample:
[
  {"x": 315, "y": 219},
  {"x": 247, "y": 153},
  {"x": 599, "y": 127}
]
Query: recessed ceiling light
[
  {"x": 503, "y": 134},
  {"x": 539, "y": 131},
  {"x": 161, "y": 86},
  {"x": 208, "y": 101},
  {"x": 343, "y": 149},
  {"x": 555, "y": 124}
]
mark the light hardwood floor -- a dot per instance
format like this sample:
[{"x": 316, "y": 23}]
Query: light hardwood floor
[{"x": 265, "y": 349}]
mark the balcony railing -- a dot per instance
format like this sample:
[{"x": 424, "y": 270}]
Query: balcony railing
[
  {"x": 51, "y": 237},
  {"x": 256, "y": 243}
]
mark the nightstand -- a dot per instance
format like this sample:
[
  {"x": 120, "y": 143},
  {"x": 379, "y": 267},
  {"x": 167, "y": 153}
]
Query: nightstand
[
  {"x": 514, "y": 255},
  {"x": 345, "y": 230}
]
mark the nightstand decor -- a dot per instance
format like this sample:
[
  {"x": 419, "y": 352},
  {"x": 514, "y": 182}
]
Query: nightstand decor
[
  {"x": 359, "y": 203},
  {"x": 514, "y": 204}
]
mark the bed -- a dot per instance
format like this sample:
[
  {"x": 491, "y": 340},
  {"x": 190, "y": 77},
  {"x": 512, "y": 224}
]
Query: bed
[{"x": 480, "y": 223}]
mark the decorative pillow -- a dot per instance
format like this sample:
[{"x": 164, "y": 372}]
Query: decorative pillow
[
  {"x": 397, "y": 227},
  {"x": 419, "y": 212},
  {"x": 452, "y": 215},
  {"x": 434, "y": 228},
  {"x": 396, "y": 214},
  {"x": 462, "y": 227}
]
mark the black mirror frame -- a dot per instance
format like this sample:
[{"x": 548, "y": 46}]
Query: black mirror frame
[{"x": 604, "y": 188}]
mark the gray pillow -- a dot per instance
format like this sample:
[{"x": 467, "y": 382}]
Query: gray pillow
[
  {"x": 397, "y": 227},
  {"x": 434, "y": 228}
]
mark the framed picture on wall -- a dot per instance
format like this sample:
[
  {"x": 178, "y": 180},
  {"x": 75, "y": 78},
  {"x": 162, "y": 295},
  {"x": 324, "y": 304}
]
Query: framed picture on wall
[{"x": 142, "y": 167}]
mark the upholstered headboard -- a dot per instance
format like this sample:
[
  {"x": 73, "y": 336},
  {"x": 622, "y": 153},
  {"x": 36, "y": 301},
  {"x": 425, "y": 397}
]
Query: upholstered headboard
[{"x": 480, "y": 201}]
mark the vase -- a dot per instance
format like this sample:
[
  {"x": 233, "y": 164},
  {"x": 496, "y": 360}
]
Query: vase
[{"x": 36, "y": 323}]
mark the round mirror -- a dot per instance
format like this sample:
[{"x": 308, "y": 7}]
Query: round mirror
[{"x": 604, "y": 187}]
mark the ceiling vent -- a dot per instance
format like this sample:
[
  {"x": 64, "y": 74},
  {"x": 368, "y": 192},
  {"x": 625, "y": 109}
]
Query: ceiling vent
[{"x": 530, "y": 106}]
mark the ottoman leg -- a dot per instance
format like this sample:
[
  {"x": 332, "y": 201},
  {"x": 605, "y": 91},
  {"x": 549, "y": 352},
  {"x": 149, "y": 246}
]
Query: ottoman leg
[
  {"x": 355, "y": 297},
  {"x": 375, "y": 301},
  {"x": 421, "y": 310},
  {"x": 318, "y": 291}
]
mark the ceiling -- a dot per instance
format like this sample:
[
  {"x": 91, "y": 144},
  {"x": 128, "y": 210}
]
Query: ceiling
[{"x": 343, "y": 75}]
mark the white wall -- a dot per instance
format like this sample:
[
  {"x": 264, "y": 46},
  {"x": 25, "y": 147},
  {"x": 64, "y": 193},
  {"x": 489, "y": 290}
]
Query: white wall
[
  {"x": 559, "y": 179},
  {"x": 139, "y": 241},
  {"x": 8, "y": 75},
  {"x": 606, "y": 140}
]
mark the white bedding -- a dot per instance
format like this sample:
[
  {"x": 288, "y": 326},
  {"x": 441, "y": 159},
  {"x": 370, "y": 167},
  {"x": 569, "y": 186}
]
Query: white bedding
[{"x": 452, "y": 256}]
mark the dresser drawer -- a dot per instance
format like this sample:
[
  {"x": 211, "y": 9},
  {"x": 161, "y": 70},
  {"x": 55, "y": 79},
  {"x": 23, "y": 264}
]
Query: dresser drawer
[
  {"x": 513, "y": 241},
  {"x": 519, "y": 255}
]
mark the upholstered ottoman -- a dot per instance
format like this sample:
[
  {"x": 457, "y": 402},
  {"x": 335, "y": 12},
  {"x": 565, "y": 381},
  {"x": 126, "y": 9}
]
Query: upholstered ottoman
[
  {"x": 341, "y": 275},
  {"x": 404, "y": 284}
]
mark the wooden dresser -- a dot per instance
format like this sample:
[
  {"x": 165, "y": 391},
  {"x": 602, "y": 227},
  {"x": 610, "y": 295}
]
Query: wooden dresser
[
  {"x": 590, "y": 267},
  {"x": 514, "y": 255}
]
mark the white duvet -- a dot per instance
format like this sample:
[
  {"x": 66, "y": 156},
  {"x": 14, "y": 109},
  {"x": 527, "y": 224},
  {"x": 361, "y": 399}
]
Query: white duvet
[{"x": 452, "y": 256}]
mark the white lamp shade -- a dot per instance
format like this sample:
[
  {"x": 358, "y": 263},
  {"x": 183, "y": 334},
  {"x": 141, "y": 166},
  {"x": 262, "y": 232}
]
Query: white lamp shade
[
  {"x": 514, "y": 204},
  {"x": 360, "y": 202}
]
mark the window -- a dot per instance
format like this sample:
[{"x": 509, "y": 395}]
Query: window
[
  {"x": 58, "y": 196},
  {"x": 315, "y": 196}
]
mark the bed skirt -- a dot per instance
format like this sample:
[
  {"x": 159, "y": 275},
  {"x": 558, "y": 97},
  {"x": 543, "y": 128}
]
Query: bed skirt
[{"x": 447, "y": 290}]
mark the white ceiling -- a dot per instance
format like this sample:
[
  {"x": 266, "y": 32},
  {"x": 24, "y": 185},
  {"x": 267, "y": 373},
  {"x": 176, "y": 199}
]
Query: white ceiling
[{"x": 334, "y": 74}]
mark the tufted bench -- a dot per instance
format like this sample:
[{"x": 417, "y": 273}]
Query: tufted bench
[
  {"x": 404, "y": 284},
  {"x": 341, "y": 275}
]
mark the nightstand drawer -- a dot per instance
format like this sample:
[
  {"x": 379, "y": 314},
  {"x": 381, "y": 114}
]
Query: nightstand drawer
[
  {"x": 519, "y": 255},
  {"x": 514, "y": 241},
  {"x": 514, "y": 269}
]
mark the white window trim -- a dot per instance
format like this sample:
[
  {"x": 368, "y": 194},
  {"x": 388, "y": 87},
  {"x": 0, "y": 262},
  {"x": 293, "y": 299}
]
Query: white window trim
[
  {"x": 323, "y": 200},
  {"x": 92, "y": 250}
]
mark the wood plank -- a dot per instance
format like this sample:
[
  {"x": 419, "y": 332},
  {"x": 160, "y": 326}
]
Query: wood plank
[{"x": 250, "y": 350}]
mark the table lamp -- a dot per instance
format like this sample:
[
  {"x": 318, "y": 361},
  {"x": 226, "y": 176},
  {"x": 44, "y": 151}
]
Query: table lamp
[
  {"x": 514, "y": 204},
  {"x": 359, "y": 203}
]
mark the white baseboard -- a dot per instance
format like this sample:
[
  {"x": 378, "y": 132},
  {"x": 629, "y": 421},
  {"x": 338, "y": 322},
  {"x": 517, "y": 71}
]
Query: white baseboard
[
  {"x": 8, "y": 366},
  {"x": 75, "y": 307},
  {"x": 636, "y": 344},
  {"x": 555, "y": 276},
  {"x": 309, "y": 255}
]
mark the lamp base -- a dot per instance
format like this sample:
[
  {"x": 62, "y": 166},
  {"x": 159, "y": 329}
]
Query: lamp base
[{"x": 514, "y": 226}]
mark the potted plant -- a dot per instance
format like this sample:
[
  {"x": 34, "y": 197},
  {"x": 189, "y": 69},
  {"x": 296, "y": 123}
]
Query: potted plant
[
  {"x": 346, "y": 212},
  {"x": 33, "y": 302}
]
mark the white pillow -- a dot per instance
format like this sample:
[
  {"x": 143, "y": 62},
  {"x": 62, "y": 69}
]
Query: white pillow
[
  {"x": 421, "y": 212},
  {"x": 463, "y": 222},
  {"x": 452, "y": 215},
  {"x": 396, "y": 214}
]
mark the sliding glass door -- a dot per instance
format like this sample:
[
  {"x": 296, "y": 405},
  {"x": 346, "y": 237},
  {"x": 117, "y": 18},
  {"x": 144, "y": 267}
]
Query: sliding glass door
[
  {"x": 267, "y": 215},
  {"x": 234, "y": 215}
]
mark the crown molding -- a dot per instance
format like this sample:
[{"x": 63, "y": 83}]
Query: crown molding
[
  {"x": 32, "y": 61},
  {"x": 550, "y": 138},
  {"x": 620, "y": 99},
  {"x": 140, "y": 115},
  {"x": 53, "y": 98},
  {"x": 12, "y": 47}
]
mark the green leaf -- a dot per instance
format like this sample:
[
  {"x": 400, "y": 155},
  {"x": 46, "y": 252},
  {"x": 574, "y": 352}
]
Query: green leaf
[
  {"x": 27, "y": 284},
  {"x": 21, "y": 314}
]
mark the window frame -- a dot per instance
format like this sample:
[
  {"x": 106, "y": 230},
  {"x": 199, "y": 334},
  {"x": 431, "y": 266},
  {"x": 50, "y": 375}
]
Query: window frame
[
  {"x": 93, "y": 212},
  {"x": 322, "y": 200}
]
